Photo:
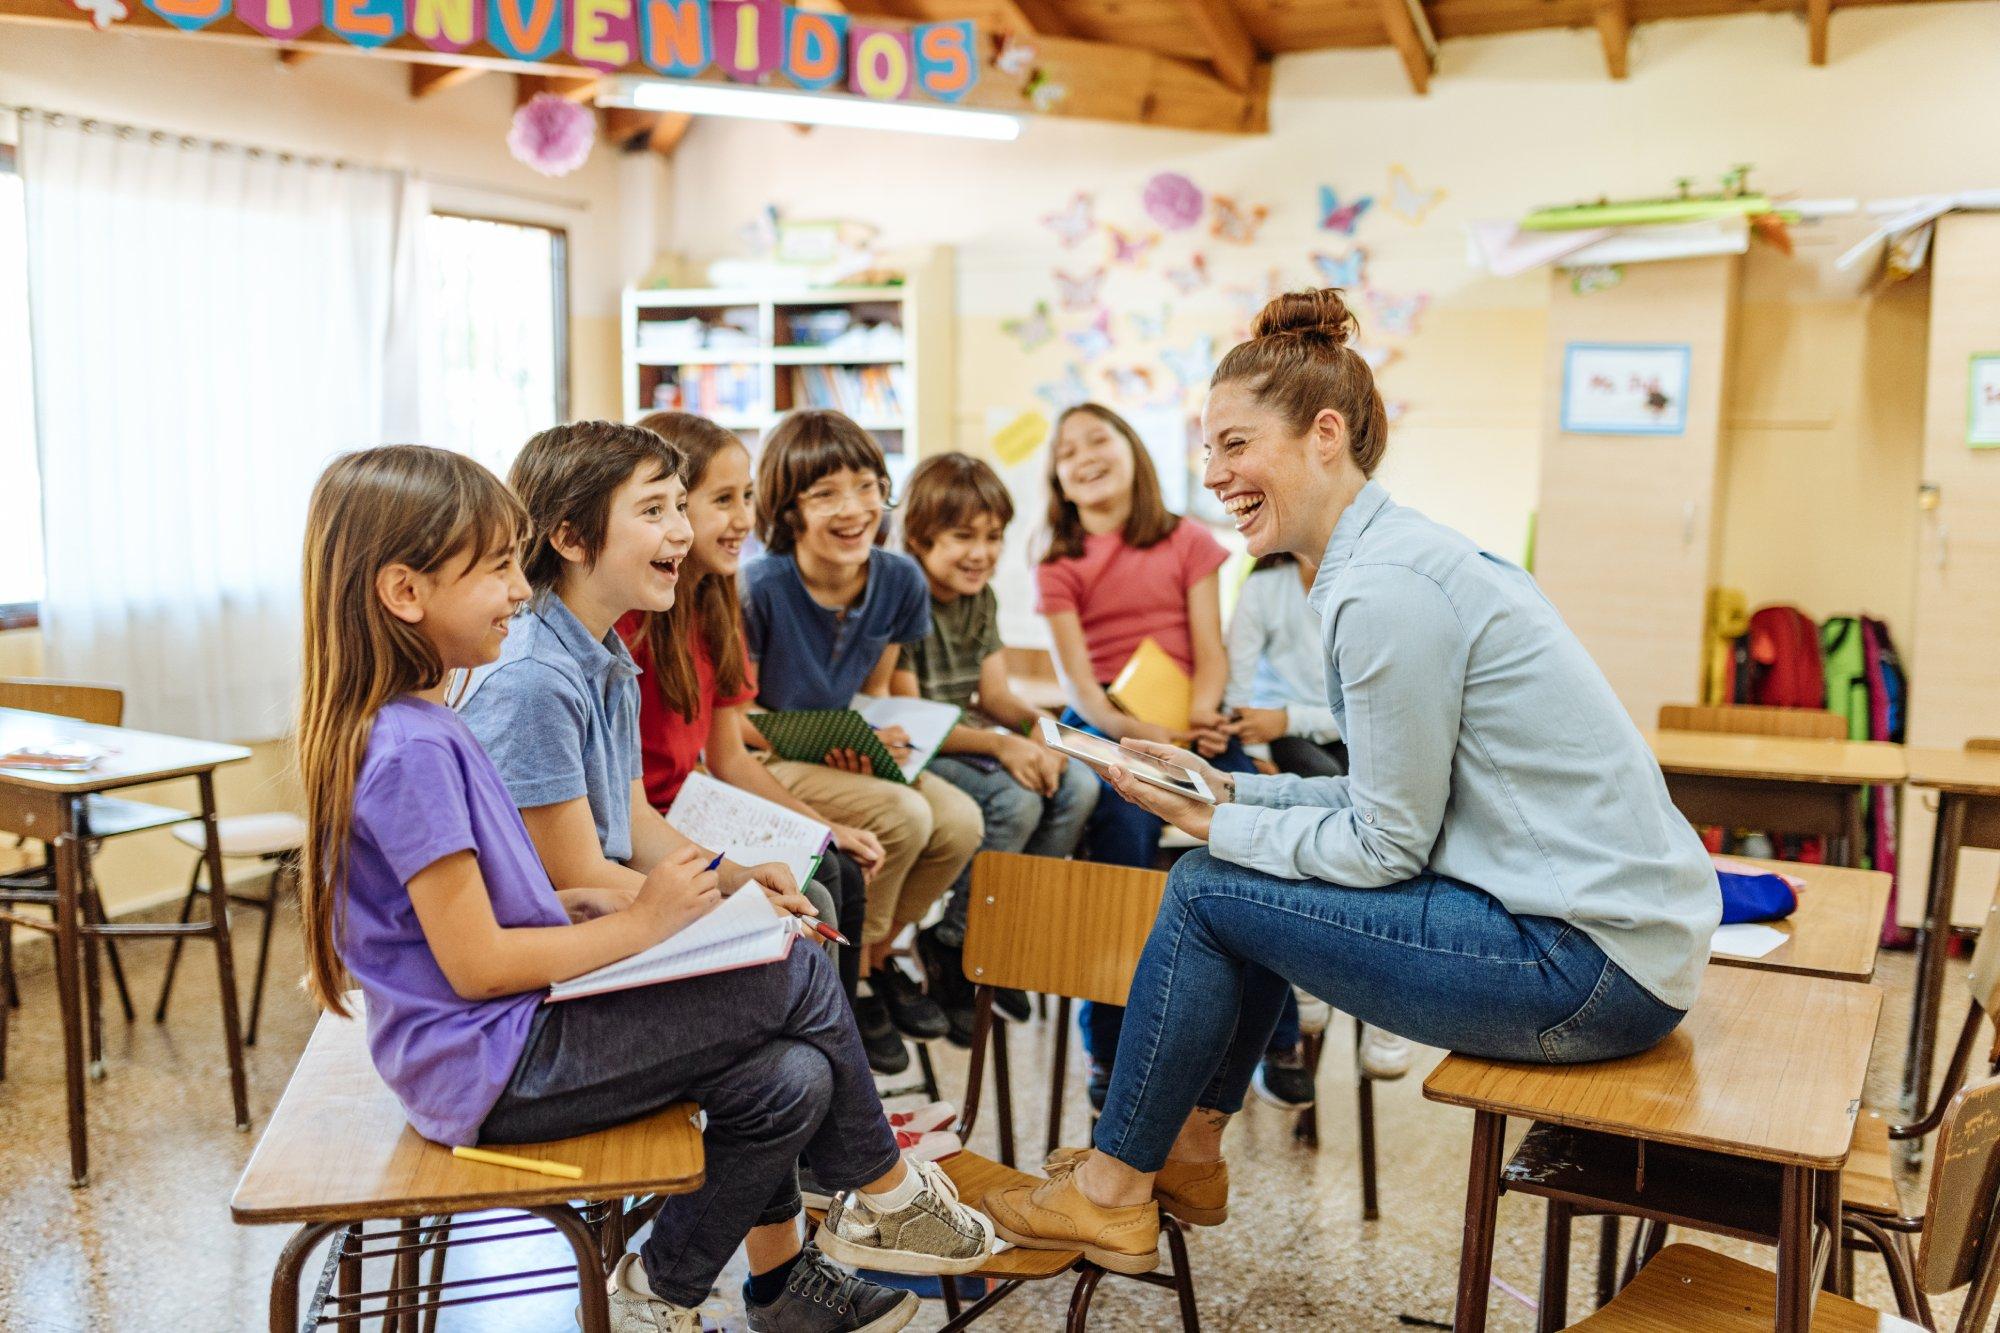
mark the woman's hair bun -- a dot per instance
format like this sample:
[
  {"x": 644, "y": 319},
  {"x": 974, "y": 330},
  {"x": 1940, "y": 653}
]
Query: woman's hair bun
[{"x": 1320, "y": 312}]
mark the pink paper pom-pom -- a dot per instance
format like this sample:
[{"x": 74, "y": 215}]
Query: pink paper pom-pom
[
  {"x": 552, "y": 134},
  {"x": 1173, "y": 201}
]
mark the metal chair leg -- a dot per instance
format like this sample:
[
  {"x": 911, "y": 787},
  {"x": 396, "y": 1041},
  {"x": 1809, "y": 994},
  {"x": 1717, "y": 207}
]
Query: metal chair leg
[
  {"x": 1552, "y": 1309},
  {"x": 1365, "y": 1119},
  {"x": 1183, "y": 1274},
  {"x": 174, "y": 949},
  {"x": 930, "y": 1074},
  {"x": 1058, "y": 1073},
  {"x": 286, "y": 871},
  {"x": 284, "y": 1309},
  {"x": 1607, "y": 1259},
  {"x": 1003, "y": 1090},
  {"x": 1895, "y": 1252},
  {"x": 1079, "y": 1297},
  {"x": 93, "y": 905}
]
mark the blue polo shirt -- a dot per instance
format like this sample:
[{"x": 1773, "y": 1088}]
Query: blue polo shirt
[
  {"x": 559, "y": 714},
  {"x": 811, "y": 656}
]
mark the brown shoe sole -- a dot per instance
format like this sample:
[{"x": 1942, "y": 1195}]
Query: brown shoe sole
[
  {"x": 1112, "y": 1260},
  {"x": 1188, "y": 1213}
]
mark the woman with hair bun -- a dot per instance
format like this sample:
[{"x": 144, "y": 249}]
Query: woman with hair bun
[{"x": 1500, "y": 873}]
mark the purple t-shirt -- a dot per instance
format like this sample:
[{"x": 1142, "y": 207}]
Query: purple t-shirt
[{"x": 427, "y": 790}]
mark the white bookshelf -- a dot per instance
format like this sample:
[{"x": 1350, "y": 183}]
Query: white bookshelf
[{"x": 748, "y": 363}]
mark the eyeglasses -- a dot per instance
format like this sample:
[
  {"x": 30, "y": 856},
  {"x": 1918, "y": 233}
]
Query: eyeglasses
[{"x": 825, "y": 501}]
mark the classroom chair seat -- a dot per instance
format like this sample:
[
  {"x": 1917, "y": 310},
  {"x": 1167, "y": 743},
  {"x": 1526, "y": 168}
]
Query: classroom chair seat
[
  {"x": 276, "y": 837},
  {"x": 338, "y": 1155},
  {"x": 1688, "y": 1289},
  {"x": 1868, "y": 1181}
]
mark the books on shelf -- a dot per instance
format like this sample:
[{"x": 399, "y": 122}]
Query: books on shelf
[
  {"x": 744, "y": 930},
  {"x": 711, "y": 390},
  {"x": 875, "y": 392},
  {"x": 808, "y": 734},
  {"x": 746, "y": 828}
]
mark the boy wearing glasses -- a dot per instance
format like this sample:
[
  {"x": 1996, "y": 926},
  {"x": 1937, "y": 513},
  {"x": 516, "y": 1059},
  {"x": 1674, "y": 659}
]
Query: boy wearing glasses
[{"x": 826, "y": 611}]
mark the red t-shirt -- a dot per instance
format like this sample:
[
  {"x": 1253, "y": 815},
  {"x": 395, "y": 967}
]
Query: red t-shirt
[
  {"x": 670, "y": 744},
  {"x": 1123, "y": 594}
]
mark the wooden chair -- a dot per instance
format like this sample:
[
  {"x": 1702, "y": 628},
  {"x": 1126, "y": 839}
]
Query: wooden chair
[
  {"x": 338, "y": 1155},
  {"x": 106, "y": 817},
  {"x": 277, "y": 839},
  {"x": 1074, "y": 930},
  {"x": 1754, "y": 720},
  {"x": 1693, "y": 1289}
]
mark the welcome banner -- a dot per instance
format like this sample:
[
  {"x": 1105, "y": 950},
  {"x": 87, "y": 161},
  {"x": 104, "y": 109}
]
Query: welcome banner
[{"x": 747, "y": 40}]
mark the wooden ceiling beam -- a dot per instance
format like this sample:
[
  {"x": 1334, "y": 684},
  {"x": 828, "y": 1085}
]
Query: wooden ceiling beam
[
  {"x": 1819, "y": 17},
  {"x": 430, "y": 80},
  {"x": 1409, "y": 31},
  {"x": 1614, "y": 29},
  {"x": 668, "y": 131},
  {"x": 1230, "y": 47},
  {"x": 526, "y": 86},
  {"x": 291, "y": 55}
]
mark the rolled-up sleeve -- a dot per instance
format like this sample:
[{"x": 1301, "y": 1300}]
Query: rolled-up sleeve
[{"x": 1400, "y": 654}]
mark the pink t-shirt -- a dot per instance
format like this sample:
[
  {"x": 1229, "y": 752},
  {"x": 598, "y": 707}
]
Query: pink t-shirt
[{"x": 1123, "y": 594}]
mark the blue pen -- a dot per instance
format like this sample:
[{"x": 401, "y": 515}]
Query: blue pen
[{"x": 712, "y": 864}]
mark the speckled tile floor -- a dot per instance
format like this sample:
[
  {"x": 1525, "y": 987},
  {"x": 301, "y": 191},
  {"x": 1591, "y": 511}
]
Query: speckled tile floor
[{"x": 149, "y": 1244}]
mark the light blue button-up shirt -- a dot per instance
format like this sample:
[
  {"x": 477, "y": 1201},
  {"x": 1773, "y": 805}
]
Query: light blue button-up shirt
[{"x": 1483, "y": 744}]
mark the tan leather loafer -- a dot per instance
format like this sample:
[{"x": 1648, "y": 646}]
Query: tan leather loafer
[
  {"x": 1055, "y": 1215},
  {"x": 1195, "y": 1192}
]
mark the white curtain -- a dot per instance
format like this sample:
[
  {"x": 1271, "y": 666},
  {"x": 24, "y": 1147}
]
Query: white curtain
[{"x": 210, "y": 325}]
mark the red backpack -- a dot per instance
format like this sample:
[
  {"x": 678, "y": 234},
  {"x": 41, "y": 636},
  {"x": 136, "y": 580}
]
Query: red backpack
[{"x": 1787, "y": 668}]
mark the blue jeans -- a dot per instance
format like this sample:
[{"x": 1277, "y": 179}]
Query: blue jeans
[
  {"x": 1017, "y": 820},
  {"x": 1430, "y": 959},
  {"x": 1122, "y": 834}
]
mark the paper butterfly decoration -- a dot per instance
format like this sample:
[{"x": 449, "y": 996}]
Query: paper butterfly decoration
[
  {"x": 1397, "y": 314},
  {"x": 1044, "y": 93},
  {"x": 1016, "y": 58},
  {"x": 1032, "y": 331},
  {"x": 1595, "y": 278},
  {"x": 1194, "y": 274},
  {"x": 1191, "y": 365},
  {"x": 1066, "y": 392},
  {"x": 103, "y": 13},
  {"x": 1080, "y": 293},
  {"x": 1233, "y": 222},
  {"x": 1151, "y": 328},
  {"x": 1131, "y": 384},
  {"x": 1128, "y": 249},
  {"x": 1342, "y": 271},
  {"x": 1074, "y": 223},
  {"x": 1095, "y": 340},
  {"x": 1407, "y": 201},
  {"x": 1336, "y": 216}
]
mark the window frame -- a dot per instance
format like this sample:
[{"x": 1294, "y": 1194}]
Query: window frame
[
  {"x": 19, "y": 615},
  {"x": 558, "y": 287}
]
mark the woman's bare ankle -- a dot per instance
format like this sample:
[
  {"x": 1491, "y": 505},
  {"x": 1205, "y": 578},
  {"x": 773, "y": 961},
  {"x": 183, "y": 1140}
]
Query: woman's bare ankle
[
  {"x": 1109, "y": 1183},
  {"x": 1200, "y": 1139}
]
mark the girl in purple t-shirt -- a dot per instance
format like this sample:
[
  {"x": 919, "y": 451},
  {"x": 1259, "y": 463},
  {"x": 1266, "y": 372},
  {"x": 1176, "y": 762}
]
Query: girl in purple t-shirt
[{"x": 421, "y": 884}]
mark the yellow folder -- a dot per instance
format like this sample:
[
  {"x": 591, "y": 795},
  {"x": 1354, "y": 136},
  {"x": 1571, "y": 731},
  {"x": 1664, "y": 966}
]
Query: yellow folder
[{"x": 1152, "y": 687}]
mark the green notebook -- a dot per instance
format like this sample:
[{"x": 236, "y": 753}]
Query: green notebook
[{"x": 807, "y": 734}]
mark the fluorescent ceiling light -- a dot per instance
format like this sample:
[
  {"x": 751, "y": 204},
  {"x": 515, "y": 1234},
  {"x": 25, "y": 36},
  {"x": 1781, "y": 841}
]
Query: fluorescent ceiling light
[{"x": 861, "y": 113}]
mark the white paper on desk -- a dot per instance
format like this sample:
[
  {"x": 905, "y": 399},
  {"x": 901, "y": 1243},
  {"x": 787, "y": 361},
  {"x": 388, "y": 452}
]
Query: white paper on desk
[
  {"x": 745, "y": 930},
  {"x": 1746, "y": 939}
]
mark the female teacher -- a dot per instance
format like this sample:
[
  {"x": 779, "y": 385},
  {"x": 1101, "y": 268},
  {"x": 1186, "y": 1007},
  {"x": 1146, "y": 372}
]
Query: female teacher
[{"x": 1501, "y": 873}]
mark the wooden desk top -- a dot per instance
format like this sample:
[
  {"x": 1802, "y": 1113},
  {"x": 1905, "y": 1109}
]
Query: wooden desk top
[
  {"x": 1766, "y": 1065},
  {"x": 338, "y": 1147},
  {"x": 134, "y": 756},
  {"x": 1778, "y": 758},
  {"x": 1972, "y": 772},
  {"x": 1835, "y": 931}
]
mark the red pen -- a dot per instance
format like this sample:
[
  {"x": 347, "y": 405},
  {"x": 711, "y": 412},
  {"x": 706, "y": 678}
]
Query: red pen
[{"x": 824, "y": 931}]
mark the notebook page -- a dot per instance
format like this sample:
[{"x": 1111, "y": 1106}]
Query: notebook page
[
  {"x": 744, "y": 915},
  {"x": 745, "y": 827},
  {"x": 927, "y": 723}
]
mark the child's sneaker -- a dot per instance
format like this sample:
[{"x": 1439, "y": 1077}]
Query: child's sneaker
[
  {"x": 820, "y": 1298},
  {"x": 932, "y": 1233},
  {"x": 1283, "y": 1080},
  {"x": 635, "y": 1309},
  {"x": 1384, "y": 1055}
]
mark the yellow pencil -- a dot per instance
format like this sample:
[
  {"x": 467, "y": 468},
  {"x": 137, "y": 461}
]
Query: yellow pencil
[{"x": 535, "y": 1164}]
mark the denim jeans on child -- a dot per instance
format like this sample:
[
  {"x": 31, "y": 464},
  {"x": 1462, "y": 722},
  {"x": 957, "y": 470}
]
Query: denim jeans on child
[
  {"x": 772, "y": 1056},
  {"x": 1017, "y": 820},
  {"x": 1431, "y": 959}
]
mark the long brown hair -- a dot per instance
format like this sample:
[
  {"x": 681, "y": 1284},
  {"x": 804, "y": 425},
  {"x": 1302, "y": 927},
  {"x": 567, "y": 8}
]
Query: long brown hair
[
  {"x": 402, "y": 504},
  {"x": 1150, "y": 521},
  {"x": 1299, "y": 361},
  {"x": 710, "y": 608}
]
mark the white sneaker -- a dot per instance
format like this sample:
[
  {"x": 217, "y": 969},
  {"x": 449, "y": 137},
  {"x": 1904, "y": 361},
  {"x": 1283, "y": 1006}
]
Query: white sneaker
[
  {"x": 635, "y": 1309},
  {"x": 1314, "y": 1013},
  {"x": 1384, "y": 1055},
  {"x": 932, "y": 1234}
]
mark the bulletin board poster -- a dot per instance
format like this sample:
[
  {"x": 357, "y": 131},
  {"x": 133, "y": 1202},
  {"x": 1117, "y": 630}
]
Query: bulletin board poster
[
  {"x": 1982, "y": 411},
  {"x": 1625, "y": 388}
]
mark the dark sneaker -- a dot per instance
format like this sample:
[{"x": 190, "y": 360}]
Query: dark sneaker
[
  {"x": 1013, "y": 1003},
  {"x": 914, "y": 1013},
  {"x": 821, "y": 1298},
  {"x": 958, "y": 1026},
  {"x": 1283, "y": 1080},
  {"x": 879, "y": 1038},
  {"x": 944, "y": 970}
]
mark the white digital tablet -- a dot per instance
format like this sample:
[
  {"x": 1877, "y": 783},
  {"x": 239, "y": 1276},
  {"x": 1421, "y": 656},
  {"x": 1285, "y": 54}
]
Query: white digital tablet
[{"x": 1101, "y": 754}]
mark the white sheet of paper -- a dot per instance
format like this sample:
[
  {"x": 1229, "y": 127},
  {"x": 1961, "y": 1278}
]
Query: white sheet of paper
[{"x": 1746, "y": 939}]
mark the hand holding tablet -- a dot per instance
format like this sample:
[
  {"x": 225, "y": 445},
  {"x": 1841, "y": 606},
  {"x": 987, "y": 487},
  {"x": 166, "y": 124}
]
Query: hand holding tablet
[{"x": 1102, "y": 754}]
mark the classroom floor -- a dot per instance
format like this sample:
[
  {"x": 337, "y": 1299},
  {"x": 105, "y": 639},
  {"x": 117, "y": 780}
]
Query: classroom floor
[{"x": 149, "y": 1244}]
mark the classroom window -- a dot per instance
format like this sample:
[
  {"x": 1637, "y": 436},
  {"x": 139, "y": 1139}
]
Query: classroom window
[
  {"x": 498, "y": 348},
  {"x": 21, "y": 497}
]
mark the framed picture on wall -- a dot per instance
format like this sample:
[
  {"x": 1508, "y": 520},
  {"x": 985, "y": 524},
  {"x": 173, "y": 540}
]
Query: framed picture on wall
[
  {"x": 1625, "y": 388},
  {"x": 1982, "y": 409}
]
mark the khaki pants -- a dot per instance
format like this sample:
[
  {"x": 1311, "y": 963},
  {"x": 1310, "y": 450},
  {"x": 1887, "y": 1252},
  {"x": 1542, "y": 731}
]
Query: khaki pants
[{"x": 928, "y": 831}]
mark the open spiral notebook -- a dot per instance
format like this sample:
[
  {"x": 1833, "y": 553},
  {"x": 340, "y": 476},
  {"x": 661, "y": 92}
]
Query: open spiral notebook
[{"x": 745, "y": 930}]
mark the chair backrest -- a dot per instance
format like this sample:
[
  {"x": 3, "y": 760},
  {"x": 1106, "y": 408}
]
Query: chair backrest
[
  {"x": 1754, "y": 720},
  {"x": 1965, "y": 1182},
  {"x": 101, "y": 705},
  {"x": 1059, "y": 927}
]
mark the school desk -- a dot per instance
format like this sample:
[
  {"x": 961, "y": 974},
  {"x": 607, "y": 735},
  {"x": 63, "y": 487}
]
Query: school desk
[
  {"x": 1836, "y": 928},
  {"x": 56, "y": 808},
  {"x": 1968, "y": 786},
  {"x": 1787, "y": 783},
  {"x": 1767, "y": 1066}
]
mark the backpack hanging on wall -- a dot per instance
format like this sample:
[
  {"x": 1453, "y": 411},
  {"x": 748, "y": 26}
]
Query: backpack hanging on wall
[
  {"x": 1887, "y": 692},
  {"x": 1786, "y": 665}
]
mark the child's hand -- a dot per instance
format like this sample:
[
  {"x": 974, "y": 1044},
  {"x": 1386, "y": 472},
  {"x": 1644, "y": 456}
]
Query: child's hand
[
  {"x": 1259, "y": 726},
  {"x": 863, "y": 847},
  {"x": 1028, "y": 764},
  {"x": 1211, "y": 731},
  {"x": 775, "y": 878},
  {"x": 679, "y": 891},
  {"x": 587, "y": 904},
  {"x": 898, "y": 741},
  {"x": 848, "y": 761}
]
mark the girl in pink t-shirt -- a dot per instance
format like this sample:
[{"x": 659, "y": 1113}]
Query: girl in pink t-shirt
[{"x": 1120, "y": 568}]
